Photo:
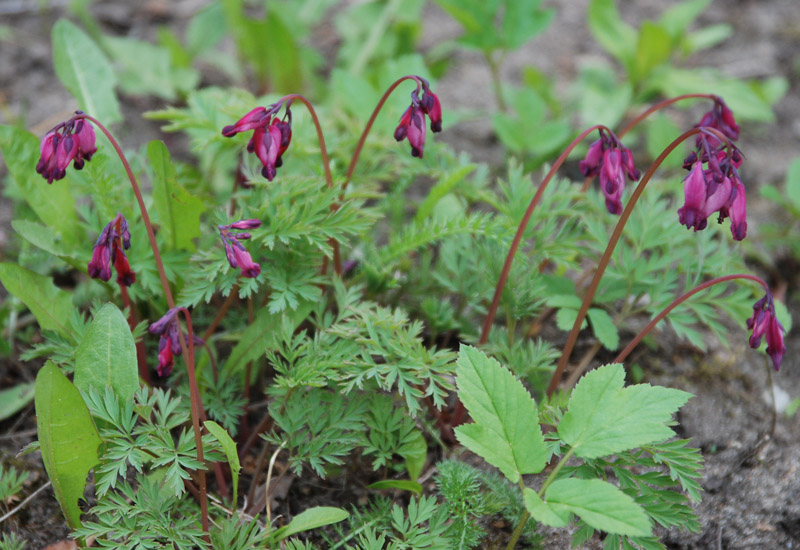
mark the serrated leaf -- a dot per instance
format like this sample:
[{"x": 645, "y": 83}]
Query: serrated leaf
[
  {"x": 599, "y": 504},
  {"x": 604, "y": 418},
  {"x": 311, "y": 519},
  {"x": 229, "y": 448},
  {"x": 51, "y": 306},
  {"x": 13, "y": 400},
  {"x": 506, "y": 430},
  {"x": 85, "y": 72},
  {"x": 53, "y": 204},
  {"x": 106, "y": 355},
  {"x": 542, "y": 512},
  {"x": 401, "y": 484},
  {"x": 178, "y": 210},
  {"x": 68, "y": 438},
  {"x": 604, "y": 328}
]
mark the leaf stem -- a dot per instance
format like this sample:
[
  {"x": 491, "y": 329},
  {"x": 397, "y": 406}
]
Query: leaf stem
[
  {"x": 678, "y": 301},
  {"x": 606, "y": 258}
]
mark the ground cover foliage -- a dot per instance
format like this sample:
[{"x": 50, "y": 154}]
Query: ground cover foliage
[{"x": 326, "y": 319}]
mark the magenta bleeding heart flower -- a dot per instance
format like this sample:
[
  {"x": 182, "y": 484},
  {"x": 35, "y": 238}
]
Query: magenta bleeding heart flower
[
  {"x": 764, "y": 323},
  {"x": 238, "y": 256},
  {"x": 713, "y": 185},
  {"x": 613, "y": 162},
  {"x": 109, "y": 249},
  {"x": 71, "y": 141},
  {"x": 720, "y": 117},
  {"x": 271, "y": 135},
  {"x": 412, "y": 123}
]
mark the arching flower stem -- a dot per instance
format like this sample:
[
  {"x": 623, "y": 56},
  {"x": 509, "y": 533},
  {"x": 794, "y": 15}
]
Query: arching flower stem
[
  {"x": 194, "y": 391},
  {"x": 612, "y": 243},
  {"x": 660, "y": 105},
  {"x": 678, "y": 301},
  {"x": 487, "y": 324}
]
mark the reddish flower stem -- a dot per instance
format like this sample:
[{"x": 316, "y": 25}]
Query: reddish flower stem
[
  {"x": 612, "y": 243},
  {"x": 362, "y": 140},
  {"x": 326, "y": 165},
  {"x": 523, "y": 224},
  {"x": 678, "y": 301},
  {"x": 221, "y": 313},
  {"x": 194, "y": 392},
  {"x": 660, "y": 105},
  {"x": 459, "y": 410}
]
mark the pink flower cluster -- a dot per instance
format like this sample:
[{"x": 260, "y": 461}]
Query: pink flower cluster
[
  {"x": 70, "y": 141},
  {"x": 271, "y": 135},
  {"x": 713, "y": 184},
  {"x": 412, "y": 123},
  {"x": 109, "y": 248},
  {"x": 764, "y": 323},
  {"x": 612, "y": 161},
  {"x": 237, "y": 254}
]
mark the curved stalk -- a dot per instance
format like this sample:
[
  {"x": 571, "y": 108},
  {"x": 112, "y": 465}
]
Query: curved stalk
[
  {"x": 523, "y": 224},
  {"x": 678, "y": 301},
  {"x": 660, "y": 105},
  {"x": 615, "y": 236},
  {"x": 196, "y": 403}
]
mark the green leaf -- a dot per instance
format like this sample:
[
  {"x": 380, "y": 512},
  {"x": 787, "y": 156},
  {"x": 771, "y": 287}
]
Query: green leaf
[
  {"x": 542, "y": 512},
  {"x": 522, "y": 21},
  {"x": 448, "y": 182},
  {"x": 145, "y": 68},
  {"x": 67, "y": 437},
  {"x": 229, "y": 448},
  {"x": 599, "y": 504},
  {"x": 401, "y": 484},
  {"x": 258, "y": 336},
  {"x": 415, "y": 453},
  {"x": 604, "y": 418},
  {"x": 311, "y": 519},
  {"x": 85, "y": 72},
  {"x": 178, "y": 211},
  {"x": 44, "y": 237},
  {"x": 617, "y": 37},
  {"x": 652, "y": 49},
  {"x": 51, "y": 306},
  {"x": 677, "y": 18},
  {"x": 604, "y": 328},
  {"x": 792, "y": 186},
  {"x": 14, "y": 399},
  {"x": 53, "y": 203},
  {"x": 506, "y": 430},
  {"x": 107, "y": 355}
]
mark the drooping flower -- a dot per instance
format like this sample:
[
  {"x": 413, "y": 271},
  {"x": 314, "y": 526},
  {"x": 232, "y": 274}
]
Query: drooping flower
[
  {"x": 73, "y": 140},
  {"x": 271, "y": 135},
  {"x": 720, "y": 117},
  {"x": 109, "y": 249},
  {"x": 613, "y": 162},
  {"x": 715, "y": 188},
  {"x": 237, "y": 254},
  {"x": 764, "y": 323},
  {"x": 412, "y": 123}
]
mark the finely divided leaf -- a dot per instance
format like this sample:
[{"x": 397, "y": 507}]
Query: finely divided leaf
[
  {"x": 599, "y": 504},
  {"x": 85, "y": 71},
  {"x": 604, "y": 418},
  {"x": 107, "y": 355},
  {"x": 506, "y": 430},
  {"x": 51, "y": 306},
  {"x": 67, "y": 436}
]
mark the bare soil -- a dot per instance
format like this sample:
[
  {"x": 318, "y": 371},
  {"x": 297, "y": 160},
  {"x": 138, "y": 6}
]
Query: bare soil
[{"x": 751, "y": 479}]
